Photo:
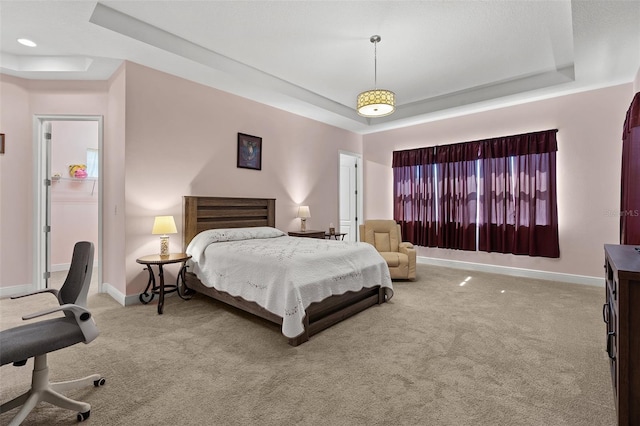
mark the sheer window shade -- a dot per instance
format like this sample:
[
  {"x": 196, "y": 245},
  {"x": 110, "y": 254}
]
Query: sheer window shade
[{"x": 492, "y": 195}]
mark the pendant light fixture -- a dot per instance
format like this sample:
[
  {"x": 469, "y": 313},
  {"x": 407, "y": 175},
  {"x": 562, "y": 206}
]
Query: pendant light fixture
[{"x": 376, "y": 102}]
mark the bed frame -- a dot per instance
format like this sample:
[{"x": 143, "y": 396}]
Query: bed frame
[{"x": 202, "y": 213}]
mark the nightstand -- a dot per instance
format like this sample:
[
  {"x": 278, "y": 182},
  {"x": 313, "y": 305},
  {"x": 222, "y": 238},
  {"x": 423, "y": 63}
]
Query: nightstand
[
  {"x": 307, "y": 234},
  {"x": 160, "y": 261},
  {"x": 335, "y": 236}
]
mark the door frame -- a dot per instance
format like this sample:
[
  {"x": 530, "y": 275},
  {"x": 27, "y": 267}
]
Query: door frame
[
  {"x": 41, "y": 162},
  {"x": 359, "y": 187}
]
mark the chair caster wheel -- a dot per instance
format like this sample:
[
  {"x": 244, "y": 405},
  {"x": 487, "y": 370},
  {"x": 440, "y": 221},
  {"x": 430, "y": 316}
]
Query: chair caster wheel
[
  {"x": 100, "y": 382},
  {"x": 83, "y": 416}
]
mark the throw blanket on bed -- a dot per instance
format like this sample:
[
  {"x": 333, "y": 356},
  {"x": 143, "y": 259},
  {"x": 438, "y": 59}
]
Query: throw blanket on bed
[{"x": 284, "y": 274}]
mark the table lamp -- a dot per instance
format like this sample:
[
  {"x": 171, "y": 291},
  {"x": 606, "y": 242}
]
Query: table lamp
[
  {"x": 164, "y": 225},
  {"x": 303, "y": 214}
]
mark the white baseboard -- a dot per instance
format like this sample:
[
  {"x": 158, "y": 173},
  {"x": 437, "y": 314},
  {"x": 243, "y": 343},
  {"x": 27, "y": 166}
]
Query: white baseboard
[
  {"x": 123, "y": 300},
  {"x": 60, "y": 267},
  {"x": 113, "y": 292},
  {"x": 66, "y": 266},
  {"x": 131, "y": 299},
  {"x": 119, "y": 297},
  {"x": 517, "y": 272},
  {"x": 15, "y": 290}
]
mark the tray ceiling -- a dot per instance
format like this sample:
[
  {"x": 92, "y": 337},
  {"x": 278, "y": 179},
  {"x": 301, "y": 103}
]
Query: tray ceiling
[{"x": 312, "y": 58}]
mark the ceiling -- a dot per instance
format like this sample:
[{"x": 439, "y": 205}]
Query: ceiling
[{"x": 441, "y": 58}]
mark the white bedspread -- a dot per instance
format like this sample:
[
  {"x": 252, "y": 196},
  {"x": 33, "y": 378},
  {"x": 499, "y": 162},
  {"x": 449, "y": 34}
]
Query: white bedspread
[{"x": 284, "y": 274}]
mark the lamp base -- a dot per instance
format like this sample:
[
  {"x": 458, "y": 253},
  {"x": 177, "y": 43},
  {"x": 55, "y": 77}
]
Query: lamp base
[
  {"x": 164, "y": 245},
  {"x": 303, "y": 224}
]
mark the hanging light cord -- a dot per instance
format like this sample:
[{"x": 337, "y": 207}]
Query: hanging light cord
[
  {"x": 375, "y": 64},
  {"x": 376, "y": 102}
]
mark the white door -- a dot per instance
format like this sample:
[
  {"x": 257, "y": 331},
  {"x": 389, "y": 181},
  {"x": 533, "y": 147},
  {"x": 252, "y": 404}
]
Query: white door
[
  {"x": 68, "y": 208},
  {"x": 46, "y": 211},
  {"x": 350, "y": 195}
]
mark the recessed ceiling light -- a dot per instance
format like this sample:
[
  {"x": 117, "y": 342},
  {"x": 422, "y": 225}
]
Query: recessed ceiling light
[{"x": 26, "y": 42}]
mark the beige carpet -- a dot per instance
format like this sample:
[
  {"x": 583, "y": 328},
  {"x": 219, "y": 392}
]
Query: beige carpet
[{"x": 497, "y": 351}]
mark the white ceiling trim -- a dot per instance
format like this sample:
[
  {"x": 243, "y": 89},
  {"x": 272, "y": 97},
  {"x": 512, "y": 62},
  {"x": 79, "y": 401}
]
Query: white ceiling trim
[
  {"x": 312, "y": 58},
  {"x": 485, "y": 92},
  {"x": 144, "y": 32},
  {"x": 46, "y": 63},
  {"x": 129, "y": 26}
]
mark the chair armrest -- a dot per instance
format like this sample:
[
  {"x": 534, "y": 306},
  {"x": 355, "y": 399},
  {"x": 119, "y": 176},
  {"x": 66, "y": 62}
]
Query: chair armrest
[
  {"x": 82, "y": 317},
  {"x": 405, "y": 245},
  {"x": 45, "y": 290},
  {"x": 75, "y": 309},
  {"x": 407, "y": 248}
]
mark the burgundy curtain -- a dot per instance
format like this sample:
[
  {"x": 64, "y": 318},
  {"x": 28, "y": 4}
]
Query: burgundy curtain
[
  {"x": 414, "y": 195},
  {"x": 439, "y": 202},
  {"x": 457, "y": 195},
  {"x": 630, "y": 184},
  {"x": 518, "y": 204},
  {"x": 435, "y": 195}
]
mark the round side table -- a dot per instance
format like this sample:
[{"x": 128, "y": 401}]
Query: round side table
[{"x": 161, "y": 289}]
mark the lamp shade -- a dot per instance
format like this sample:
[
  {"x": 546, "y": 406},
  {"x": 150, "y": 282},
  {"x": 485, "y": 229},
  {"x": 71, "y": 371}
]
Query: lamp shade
[
  {"x": 304, "y": 212},
  {"x": 164, "y": 225},
  {"x": 376, "y": 103}
]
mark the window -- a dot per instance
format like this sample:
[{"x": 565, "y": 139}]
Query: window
[
  {"x": 496, "y": 195},
  {"x": 92, "y": 162}
]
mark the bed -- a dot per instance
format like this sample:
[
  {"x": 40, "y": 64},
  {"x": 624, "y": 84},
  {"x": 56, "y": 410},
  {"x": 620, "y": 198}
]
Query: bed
[{"x": 210, "y": 224}]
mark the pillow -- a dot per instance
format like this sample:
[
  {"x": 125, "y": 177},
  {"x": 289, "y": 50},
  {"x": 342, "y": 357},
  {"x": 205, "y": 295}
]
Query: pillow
[{"x": 200, "y": 242}]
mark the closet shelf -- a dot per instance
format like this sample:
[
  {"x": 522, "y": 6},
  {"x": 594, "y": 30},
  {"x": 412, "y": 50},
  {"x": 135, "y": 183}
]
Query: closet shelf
[
  {"x": 71, "y": 179},
  {"x": 79, "y": 180}
]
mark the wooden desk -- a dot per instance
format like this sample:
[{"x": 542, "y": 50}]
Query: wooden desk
[{"x": 161, "y": 289}]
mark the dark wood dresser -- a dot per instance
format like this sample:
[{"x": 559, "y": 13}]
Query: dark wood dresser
[{"x": 621, "y": 313}]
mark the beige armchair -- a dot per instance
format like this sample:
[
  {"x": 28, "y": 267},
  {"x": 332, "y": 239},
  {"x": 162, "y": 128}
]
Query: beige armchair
[{"x": 386, "y": 237}]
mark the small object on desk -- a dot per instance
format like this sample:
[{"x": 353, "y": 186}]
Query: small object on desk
[
  {"x": 160, "y": 261},
  {"x": 308, "y": 234},
  {"x": 335, "y": 235}
]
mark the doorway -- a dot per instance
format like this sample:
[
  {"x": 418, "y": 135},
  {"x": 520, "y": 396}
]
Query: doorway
[
  {"x": 350, "y": 194},
  {"x": 68, "y": 194}
]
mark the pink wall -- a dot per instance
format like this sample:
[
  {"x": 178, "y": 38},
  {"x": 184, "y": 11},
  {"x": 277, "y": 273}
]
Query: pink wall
[
  {"x": 181, "y": 139},
  {"x": 16, "y": 184},
  {"x": 588, "y": 166},
  {"x": 20, "y": 101},
  {"x": 113, "y": 177},
  {"x": 166, "y": 137}
]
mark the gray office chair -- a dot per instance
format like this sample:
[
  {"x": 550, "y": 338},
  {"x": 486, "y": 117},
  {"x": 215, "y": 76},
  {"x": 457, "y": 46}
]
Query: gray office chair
[{"x": 36, "y": 340}]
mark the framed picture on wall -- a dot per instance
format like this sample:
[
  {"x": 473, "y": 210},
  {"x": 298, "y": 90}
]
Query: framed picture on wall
[
  {"x": 1, "y": 143},
  {"x": 249, "y": 152}
]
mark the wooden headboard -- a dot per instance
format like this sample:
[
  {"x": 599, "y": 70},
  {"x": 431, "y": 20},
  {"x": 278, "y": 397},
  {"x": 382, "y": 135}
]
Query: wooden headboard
[{"x": 202, "y": 213}]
